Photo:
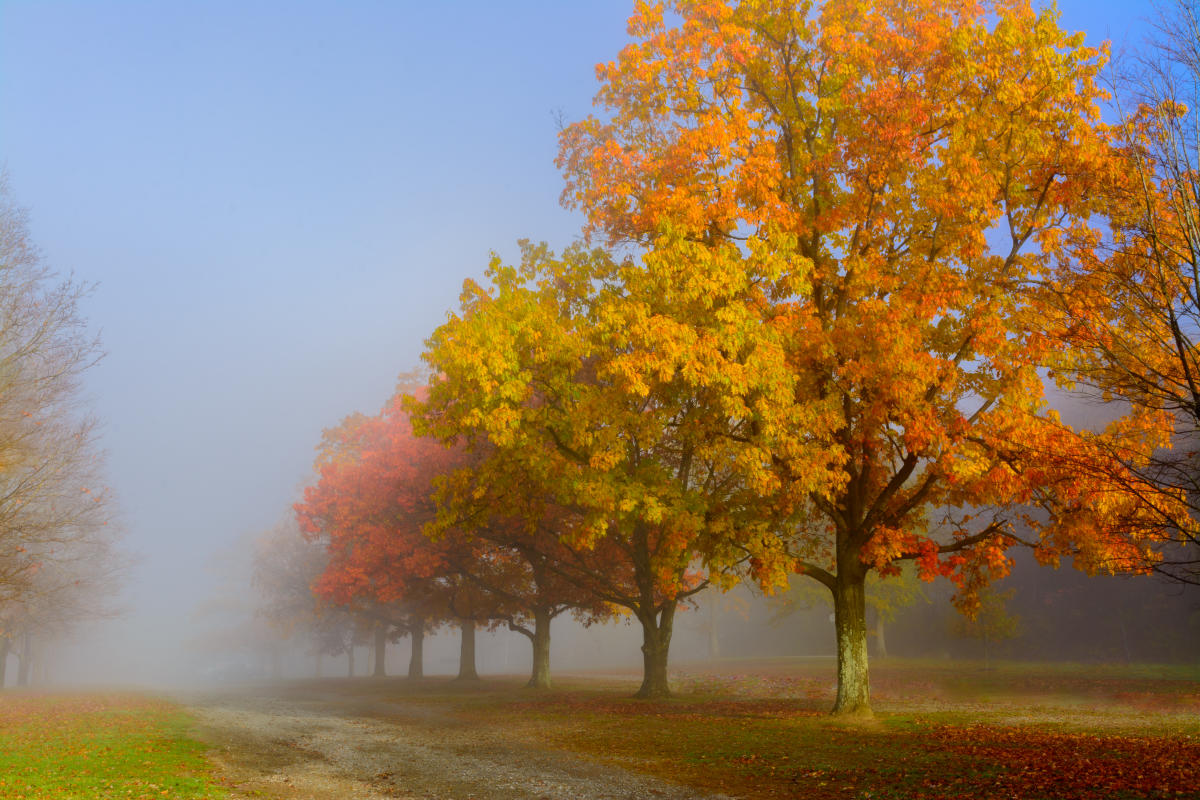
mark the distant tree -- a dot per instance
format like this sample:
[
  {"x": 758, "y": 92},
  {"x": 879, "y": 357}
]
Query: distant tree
[
  {"x": 991, "y": 623},
  {"x": 58, "y": 562},
  {"x": 886, "y": 595},
  {"x": 369, "y": 505}
]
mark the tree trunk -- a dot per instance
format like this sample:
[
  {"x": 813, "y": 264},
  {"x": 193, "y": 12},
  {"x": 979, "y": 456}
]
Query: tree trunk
[
  {"x": 381, "y": 634},
  {"x": 880, "y": 642},
  {"x": 656, "y": 645},
  {"x": 850, "y": 619},
  {"x": 416, "y": 662},
  {"x": 5, "y": 645},
  {"x": 540, "y": 677},
  {"x": 466, "y": 653},
  {"x": 26, "y": 659},
  {"x": 350, "y": 661}
]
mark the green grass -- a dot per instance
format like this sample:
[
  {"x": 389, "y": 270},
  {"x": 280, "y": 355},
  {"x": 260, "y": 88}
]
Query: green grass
[{"x": 99, "y": 746}]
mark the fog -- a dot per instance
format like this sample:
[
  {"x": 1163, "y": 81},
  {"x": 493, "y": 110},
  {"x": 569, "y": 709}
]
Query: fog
[{"x": 277, "y": 204}]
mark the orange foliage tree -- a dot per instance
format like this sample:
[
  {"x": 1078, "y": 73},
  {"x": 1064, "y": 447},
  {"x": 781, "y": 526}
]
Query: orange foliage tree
[{"x": 848, "y": 213}]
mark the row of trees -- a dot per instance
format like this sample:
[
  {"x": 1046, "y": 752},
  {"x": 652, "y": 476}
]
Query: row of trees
[
  {"x": 846, "y": 244},
  {"x": 57, "y": 560}
]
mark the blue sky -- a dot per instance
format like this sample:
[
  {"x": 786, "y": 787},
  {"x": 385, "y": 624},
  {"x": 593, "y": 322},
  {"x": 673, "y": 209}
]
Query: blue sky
[{"x": 278, "y": 202}]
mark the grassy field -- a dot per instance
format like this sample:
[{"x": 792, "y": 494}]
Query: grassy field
[
  {"x": 98, "y": 746},
  {"x": 751, "y": 730},
  {"x": 763, "y": 731}
]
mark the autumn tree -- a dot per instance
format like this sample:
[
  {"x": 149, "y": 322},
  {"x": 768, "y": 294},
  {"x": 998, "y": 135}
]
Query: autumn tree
[
  {"x": 368, "y": 506},
  {"x": 531, "y": 373},
  {"x": 372, "y": 504},
  {"x": 847, "y": 213}
]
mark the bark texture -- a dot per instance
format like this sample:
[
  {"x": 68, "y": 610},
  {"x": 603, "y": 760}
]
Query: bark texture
[
  {"x": 850, "y": 619},
  {"x": 656, "y": 646}
]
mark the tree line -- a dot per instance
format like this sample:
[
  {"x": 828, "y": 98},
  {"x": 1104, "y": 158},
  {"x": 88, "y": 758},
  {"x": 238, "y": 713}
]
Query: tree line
[{"x": 835, "y": 254}]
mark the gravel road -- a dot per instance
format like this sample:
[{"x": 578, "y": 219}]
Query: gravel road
[{"x": 325, "y": 745}]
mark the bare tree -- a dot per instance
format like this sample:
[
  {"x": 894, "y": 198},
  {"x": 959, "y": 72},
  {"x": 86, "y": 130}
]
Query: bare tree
[{"x": 57, "y": 559}]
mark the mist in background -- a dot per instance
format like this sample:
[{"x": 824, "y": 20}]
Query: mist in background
[{"x": 277, "y": 203}]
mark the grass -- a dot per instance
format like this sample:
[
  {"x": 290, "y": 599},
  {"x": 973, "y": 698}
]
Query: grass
[
  {"x": 99, "y": 746},
  {"x": 761, "y": 731}
]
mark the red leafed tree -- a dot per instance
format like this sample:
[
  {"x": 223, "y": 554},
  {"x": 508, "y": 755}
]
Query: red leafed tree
[{"x": 370, "y": 503}]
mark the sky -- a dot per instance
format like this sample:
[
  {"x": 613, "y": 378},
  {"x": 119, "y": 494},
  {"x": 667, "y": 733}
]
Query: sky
[{"x": 277, "y": 203}]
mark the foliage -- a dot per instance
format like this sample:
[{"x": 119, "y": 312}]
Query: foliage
[
  {"x": 88, "y": 746},
  {"x": 1130, "y": 301},
  {"x": 372, "y": 499},
  {"x": 532, "y": 376},
  {"x": 850, "y": 213}
]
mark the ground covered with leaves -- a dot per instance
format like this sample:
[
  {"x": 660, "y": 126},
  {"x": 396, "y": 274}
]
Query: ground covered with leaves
[
  {"x": 763, "y": 731},
  {"x": 109, "y": 745}
]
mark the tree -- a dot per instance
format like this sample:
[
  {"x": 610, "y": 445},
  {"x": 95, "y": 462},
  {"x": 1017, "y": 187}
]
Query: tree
[
  {"x": 369, "y": 505},
  {"x": 1130, "y": 301},
  {"x": 530, "y": 374},
  {"x": 58, "y": 562},
  {"x": 848, "y": 213},
  {"x": 286, "y": 564},
  {"x": 992, "y": 622}
]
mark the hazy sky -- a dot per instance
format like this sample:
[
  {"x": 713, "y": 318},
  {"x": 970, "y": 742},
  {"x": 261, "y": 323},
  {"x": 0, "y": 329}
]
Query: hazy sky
[{"x": 278, "y": 202}]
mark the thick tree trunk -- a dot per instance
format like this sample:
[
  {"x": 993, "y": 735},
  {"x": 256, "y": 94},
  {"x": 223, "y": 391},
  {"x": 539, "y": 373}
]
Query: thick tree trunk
[
  {"x": 381, "y": 634},
  {"x": 656, "y": 645},
  {"x": 466, "y": 653},
  {"x": 850, "y": 619},
  {"x": 540, "y": 677},
  {"x": 5, "y": 646},
  {"x": 416, "y": 662}
]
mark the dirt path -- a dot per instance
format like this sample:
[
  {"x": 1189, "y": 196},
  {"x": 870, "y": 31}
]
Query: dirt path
[{"x": 327, "y": 745}]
